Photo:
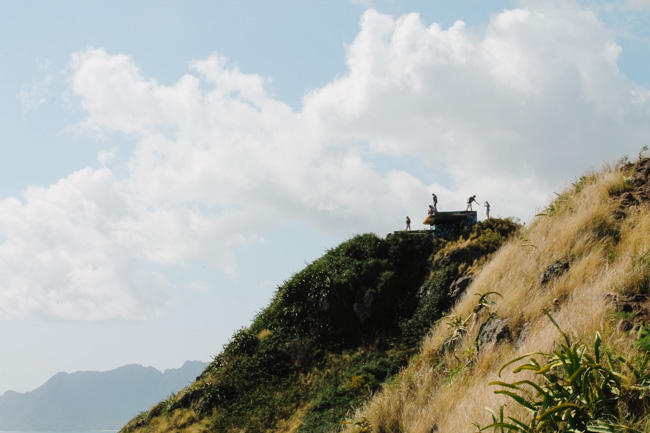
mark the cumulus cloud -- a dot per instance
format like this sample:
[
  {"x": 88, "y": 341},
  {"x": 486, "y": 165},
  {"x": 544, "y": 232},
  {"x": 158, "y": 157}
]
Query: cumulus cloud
[
  {"x": 58, "y": 258},
  {"x": 536, "y": 97},
  {"x": 509, "y": 113}
]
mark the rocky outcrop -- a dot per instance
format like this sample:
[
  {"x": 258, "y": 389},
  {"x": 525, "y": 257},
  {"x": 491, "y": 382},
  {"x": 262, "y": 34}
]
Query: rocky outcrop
[
  {"x": 555, "y": 270},
  {"x": 493, "y": 331},
  {"x": 459, "y": 286}
]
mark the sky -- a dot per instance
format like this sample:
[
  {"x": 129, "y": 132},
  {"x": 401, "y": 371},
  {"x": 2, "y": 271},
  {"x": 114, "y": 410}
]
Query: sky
[{"x": 167, "y": 164}]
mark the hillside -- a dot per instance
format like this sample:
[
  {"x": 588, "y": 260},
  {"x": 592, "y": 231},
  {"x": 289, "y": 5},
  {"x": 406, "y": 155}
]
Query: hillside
[
  {"x": 92, "y": 399},
  {"x": 584, "y": 264},
  {"x": 330, "y": 337},
  {"x": 565, "y": 299}
]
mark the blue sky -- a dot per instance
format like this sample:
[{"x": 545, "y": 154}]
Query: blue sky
[{"x": 166, "y": 164}]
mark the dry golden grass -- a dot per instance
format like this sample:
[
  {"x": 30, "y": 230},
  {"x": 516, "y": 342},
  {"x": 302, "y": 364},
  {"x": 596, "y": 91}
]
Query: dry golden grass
[
  {"x": 263, "y": 334},
  {"x": 181, "y": 421},
  {"x": 295, "y": 421},
  {"x": 604, "y": 253}
]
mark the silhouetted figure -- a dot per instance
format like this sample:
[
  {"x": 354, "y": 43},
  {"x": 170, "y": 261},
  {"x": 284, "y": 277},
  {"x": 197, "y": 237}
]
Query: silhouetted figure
[
  {"x": 487, "y": 209},
  {"x": 435, "y": 202},
  {"x": 431, "y": 210},
  {"x": 408, "y": 223},
  {"x": 471, "y": 200}
]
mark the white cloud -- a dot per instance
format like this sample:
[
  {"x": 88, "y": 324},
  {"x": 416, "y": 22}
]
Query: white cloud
[
  {"x": 508, "y": 113},
  {"x": 37, "y": 91},
  {"x": 58, "y": 258},
  {"x": 106, "y": 156},
  {"x": 538, "y": 96}
]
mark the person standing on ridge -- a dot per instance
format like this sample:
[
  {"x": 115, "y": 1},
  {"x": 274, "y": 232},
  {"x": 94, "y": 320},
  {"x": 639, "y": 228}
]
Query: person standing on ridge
[
  {"x": 487, "y": 209},
  {"x": 470, "y": 200},
  {"x": 408, "y": 223},
  {"x": 435, "y": 202}
]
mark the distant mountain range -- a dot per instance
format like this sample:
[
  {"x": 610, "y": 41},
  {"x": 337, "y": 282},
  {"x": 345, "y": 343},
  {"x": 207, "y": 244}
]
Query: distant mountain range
[{"x": 92, "y": 400}]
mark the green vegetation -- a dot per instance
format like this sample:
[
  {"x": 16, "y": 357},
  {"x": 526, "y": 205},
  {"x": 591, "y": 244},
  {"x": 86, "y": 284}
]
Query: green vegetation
[
  {"x": 330, "y": 337},
  {"x": 585, "y": 259},
  {"x": 577, "y": 390},
  {"x": 401, "y": 334}
]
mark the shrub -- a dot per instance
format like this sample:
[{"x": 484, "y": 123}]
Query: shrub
[{"x": 578, "y": 391}]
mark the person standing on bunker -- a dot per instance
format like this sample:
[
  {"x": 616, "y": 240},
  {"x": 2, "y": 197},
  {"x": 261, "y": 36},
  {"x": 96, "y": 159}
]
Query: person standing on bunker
[
  {"x": 470, "y": 200},
  {"x": 408, "y": 223},
  {"x": 487, "y": 209},
  {"x": 435, "y": 202}
]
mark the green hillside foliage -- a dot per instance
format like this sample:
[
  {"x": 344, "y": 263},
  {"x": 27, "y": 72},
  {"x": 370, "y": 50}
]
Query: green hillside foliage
[
  {"x": 552, "y": 333},
  {"x": 332, "y": 335},
  {"x": 546, "y": 326}
]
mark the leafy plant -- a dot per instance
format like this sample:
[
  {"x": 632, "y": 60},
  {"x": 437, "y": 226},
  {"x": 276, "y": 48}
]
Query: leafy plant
[
  {"x": 624, "y": 160},
  {"x": 578, "y": 391},
  {"x": 484, "y": 299},
  {"x": 459, "y": 328},
  {"x": 468, "y": 358},
  {"x": 643, "y": 342}
]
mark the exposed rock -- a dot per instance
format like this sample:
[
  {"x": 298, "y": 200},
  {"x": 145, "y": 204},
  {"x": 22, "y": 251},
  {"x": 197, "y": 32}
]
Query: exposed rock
[
  {"x": 555, "y": 270},
  {"x": 636, "y": 304},
  {"x": 493, "y": 331},
  {"x": 459, "y": 286},
  {"x": 624, "y": 326},
  {"x": 628, "y": 199},
  {"x": 638, "y": 307}
]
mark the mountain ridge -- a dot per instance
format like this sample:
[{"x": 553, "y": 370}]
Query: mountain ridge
[{"x": 92, "y": 399}]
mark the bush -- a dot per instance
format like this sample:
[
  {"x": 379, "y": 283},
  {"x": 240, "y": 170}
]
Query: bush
[
  {"x": 578, "y": 391},
  {"x": 350, "y": 387}
]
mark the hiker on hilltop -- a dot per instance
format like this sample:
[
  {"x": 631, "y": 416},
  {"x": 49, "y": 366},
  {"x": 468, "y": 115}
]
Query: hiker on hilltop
[
  {"x": 408, "y": 223},
  {"x": 435, "y": 202},
  {"x": 487, "y": 209},
  {"x": 470, "y": 200}
]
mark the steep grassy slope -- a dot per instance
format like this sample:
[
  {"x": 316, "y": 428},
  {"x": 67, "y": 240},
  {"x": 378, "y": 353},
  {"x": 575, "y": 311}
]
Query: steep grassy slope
[
  {"x": 586, "y": 261},
  {"x": 330, "y": 337}
]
